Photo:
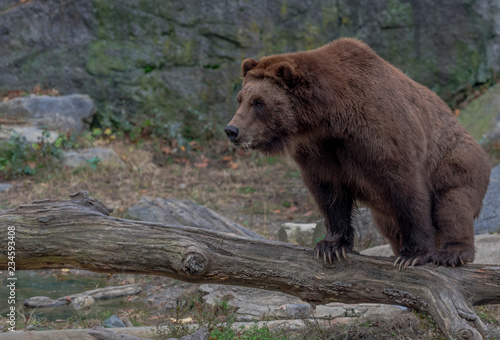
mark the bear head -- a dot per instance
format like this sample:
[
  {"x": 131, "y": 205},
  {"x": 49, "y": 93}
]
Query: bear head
[{"x": 265, "y": 119}]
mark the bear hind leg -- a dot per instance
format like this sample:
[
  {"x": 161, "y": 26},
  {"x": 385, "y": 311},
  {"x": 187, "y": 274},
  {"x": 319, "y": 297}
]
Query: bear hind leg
[{"x": 454, "y": 219}]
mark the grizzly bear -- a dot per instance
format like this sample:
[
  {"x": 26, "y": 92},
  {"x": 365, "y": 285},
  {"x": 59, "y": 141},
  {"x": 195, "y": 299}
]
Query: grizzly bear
[{"x": 362, "y": 131}]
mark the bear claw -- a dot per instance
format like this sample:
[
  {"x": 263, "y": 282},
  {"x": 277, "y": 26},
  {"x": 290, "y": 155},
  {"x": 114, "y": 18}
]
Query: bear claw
[
  {"x": 329, "y": 250},
  {"x": 405, "y": 262},
  {"x": 453, "y": 259}
]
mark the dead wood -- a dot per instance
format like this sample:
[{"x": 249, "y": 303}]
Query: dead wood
[
  {"x": 79, "y": 233},
  {"x": 97, "y": 294}
]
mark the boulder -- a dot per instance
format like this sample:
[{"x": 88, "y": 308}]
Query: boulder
[
  {"x": 66, "y": 113},
  {"x": 32, "y": 134},
  {"x": 186, "y": 213},
  {"x": 255, "y": 304},
  {"x": 297, "y": 233},
  {"x": 113, "y": 322},
  {"x": 83, "y": 302},
  {"x": 482, "y": 116},
  {"x": 488, "y": 220}
]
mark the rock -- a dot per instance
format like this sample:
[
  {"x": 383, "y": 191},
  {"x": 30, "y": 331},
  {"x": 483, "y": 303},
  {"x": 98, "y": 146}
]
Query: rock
[
  {"x": 298, "y": 311},
  {"x": 297, "y": 233},
  {"x": 102, "y": 333},
  {"x": 200, "y": 334},
  {"x": 487, "y": 249},
  {"x": 366, "y": 233},
  {"x": 481, "y": 117},
  {"x": 488, "y": 220},
  {"x": 76, "y": 158},
  {"x": 255, "y": 304},
  {"x": 5, "y": 186},
  {"x": 113, "y": 322},
  {"x": 65, "y": 113},
  {"x": 31, "y": 133},
  {"x": 166, "y": 293},
  {"x": 145, "y": 60},
  {"x": 83, "y": 302},
  {"x": 186, "y": 213},
  {"x": 383, "y": 250}
]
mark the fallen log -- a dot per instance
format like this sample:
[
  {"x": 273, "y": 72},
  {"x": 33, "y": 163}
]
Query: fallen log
[
  {"x": 79, "y": 233},
  {"x": 97, "y": 294}
]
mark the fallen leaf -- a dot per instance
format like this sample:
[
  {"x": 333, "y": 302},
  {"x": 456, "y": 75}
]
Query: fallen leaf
[
  {"x": 457, "y": 112},
  {"x": 309, "y": 213},
  {"x": 292, "y": 209},
  {"x": 227, "y": 158},
  {"x": 277, "y": 211},
  {"x": 201, "y": 165},
  {"x": 233, "y": 165},
  {"x": 166, "y": 150}
]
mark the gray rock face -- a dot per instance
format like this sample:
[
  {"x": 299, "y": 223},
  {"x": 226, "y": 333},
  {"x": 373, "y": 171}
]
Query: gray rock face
[
  {"x": 181, "y": 59},
  {"x": 65, "y": 113},
  {"x": 186, "y": 213},
  {"x": 489, "y": 219}
]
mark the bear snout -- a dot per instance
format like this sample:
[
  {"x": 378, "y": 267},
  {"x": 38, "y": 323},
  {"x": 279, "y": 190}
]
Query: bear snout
[{"x": 232, "y": 132}]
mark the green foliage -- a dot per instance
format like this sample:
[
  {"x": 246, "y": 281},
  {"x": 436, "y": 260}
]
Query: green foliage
[
  {"x": 87, "y": 319},
  {"x": 18, "y": 157},
  {"x": 93, "y": 162},
  {"x": 253, "y": 333},
  {"x": 246, "y": 190}
]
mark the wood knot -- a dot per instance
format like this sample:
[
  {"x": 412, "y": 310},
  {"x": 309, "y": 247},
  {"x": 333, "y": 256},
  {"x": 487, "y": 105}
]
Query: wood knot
[
  {"x": 83, "y": 198},
  {"x": 195, "y": 264}
]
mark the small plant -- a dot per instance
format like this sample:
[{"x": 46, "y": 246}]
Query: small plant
[
  {"x": 18, "y": 157},
  {"x": 93, "y": 162}
]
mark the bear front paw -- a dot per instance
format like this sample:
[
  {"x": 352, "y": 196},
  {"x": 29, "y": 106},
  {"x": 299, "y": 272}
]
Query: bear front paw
[
  {"x": 454, "y": 255},
  {"x": 329, "y": 250}
]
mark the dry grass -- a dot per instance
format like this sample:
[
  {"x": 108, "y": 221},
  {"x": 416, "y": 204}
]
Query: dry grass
[{"x": 258, "y": 192}]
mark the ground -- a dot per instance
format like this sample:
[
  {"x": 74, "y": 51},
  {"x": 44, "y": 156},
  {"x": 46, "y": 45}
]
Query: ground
[{"x": 258, "y": 192}]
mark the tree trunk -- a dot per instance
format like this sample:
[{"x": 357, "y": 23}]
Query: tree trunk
[{"x": 79, "y": 233}]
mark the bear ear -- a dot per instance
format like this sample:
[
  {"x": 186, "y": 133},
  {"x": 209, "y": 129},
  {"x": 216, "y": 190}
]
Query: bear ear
[
  {"x": 247, "y": 65},
  {"x": 288, "y": 74}
]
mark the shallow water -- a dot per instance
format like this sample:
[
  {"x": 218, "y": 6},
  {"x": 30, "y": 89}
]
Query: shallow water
[{"x": 55, "y": 284}]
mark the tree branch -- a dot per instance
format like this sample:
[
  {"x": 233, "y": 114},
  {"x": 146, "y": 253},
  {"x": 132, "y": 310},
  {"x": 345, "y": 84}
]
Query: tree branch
[{"x": 79, "y": 233}]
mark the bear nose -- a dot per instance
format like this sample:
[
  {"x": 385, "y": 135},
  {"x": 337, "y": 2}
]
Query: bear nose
[{"x": 232, "y": 132}]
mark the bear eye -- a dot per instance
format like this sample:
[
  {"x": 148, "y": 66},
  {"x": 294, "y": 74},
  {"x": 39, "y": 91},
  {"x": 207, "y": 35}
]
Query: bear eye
[{"x": 258, "y": 104}]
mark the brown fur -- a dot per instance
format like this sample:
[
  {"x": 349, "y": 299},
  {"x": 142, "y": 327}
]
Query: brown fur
[{"x": 360, "y": 130}]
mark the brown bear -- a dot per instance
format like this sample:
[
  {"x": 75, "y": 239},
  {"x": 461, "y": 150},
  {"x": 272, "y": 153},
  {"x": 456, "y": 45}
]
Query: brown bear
[{"x": 362, "y": 131}]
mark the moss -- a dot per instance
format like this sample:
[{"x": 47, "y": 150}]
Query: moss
[
  {"x": 106, "y": 56},
  {"x": 480, "y": 115}
]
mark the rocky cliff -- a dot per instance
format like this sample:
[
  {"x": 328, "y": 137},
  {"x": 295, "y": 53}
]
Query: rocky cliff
[{"x": 174, "y": 65}]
